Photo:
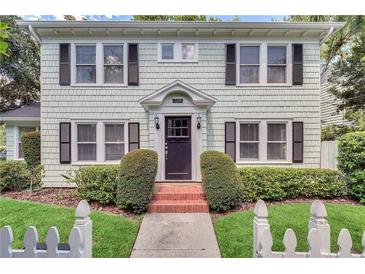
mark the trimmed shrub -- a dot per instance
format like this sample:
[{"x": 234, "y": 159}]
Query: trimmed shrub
[
  {"x": 137, "y": 175},
  {"x": 31, "y": 147},
  {"x": 351, "y": 160},
  {"x": 275, "y": 183},
  {"x": 96, "y": 183},
  {"x": 220, "y": 180},
  {"x": 14, "y": 175}
]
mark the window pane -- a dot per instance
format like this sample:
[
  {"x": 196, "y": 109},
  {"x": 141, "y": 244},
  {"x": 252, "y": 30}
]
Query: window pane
[
  {"x": 167, "y": 51},
  {"x": 188, "y": 51},
  {"x": 276, "y": 151},
  {"x": 249, "y": 74},
  {"x": 249, "y": 132},
  {"x": 85, "y": 54},
  {"x": 276, "y": 74},
  {"x": 86, "y": 133},
  {"x": 86, "y": 152},
  {"x": 114, "y": 133},
  {"x": 249, "y": 151},
  {"x": 114, "y": 152},
  {"x": 276, "y": 132},
  {"x": 276, "y": 55},
  {"x": 250, "y": 55},
  {"x": 86, "y": 74},
  {"x": 113, "y": 55},
  {"x": 113, "y": 74}
]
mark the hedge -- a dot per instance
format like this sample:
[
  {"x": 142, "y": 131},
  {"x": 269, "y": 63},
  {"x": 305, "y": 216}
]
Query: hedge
[
  {"x": 96, "y": 183},
  {"x": 31, "y": 147},
  {"x": 351, "y": 160},
  {"x": 137, "y": 175},
  {"x": 14, "y": 175},
  {"x": 274, "y": 183},
  {"x": 220, "y": 180}
]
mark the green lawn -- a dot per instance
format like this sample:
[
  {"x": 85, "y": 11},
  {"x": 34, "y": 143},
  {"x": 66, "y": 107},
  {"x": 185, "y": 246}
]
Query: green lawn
[
  {"x": 113, "y": 236},
  {"x": 234, "y": 231}
]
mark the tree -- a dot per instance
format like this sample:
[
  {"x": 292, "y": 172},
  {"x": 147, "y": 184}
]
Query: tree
[
  {"x": 151, "y": 17},
  {"x": 19, "y": 71},
  {"x": 203, "y": 18},
  {"x": 69, "y": 18},
  {"x": 3, "y": 37}
]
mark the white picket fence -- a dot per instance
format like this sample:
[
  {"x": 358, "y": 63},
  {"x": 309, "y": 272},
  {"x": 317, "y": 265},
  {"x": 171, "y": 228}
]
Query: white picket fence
[
  {"x": 319, "y": 237},
  {"x": 329, "y": 154},
  {"x": 79, "y": 241}
]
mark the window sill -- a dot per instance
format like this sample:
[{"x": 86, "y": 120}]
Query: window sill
[
  {"x": 177, "y": 61},
  {"x": 99, "y": 85},
  {"x": 264, "y": 163},
  {"x": 264, "y": 85},
  {"x": 95, "y": 163}
]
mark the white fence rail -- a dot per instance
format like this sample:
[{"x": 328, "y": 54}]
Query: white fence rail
[
  {"x": 329, "y": 154},
  {"x": 79, "y": 241},
  {"x": 319, "y": 237}
]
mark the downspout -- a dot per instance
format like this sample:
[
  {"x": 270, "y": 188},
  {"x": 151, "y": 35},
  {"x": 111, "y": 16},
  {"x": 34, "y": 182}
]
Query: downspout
[
  {"x": 329, "y": 33},
  {"x": 32, "y": 32}
]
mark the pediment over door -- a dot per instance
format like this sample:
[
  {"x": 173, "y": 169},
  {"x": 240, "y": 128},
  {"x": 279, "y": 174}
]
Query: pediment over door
[{"x": 198, "y": 98}]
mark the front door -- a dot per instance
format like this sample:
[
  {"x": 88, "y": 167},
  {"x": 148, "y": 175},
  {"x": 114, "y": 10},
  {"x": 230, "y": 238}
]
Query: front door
[{"x": 178, "y": 148}]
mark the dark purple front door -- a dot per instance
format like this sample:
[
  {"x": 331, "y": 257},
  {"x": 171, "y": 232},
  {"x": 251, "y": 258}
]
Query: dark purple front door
[{"x": 178, "y": 148}]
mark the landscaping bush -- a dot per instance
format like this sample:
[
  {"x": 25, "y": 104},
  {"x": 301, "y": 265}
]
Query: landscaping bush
[
  {"x": 96, "y": 183},
  {"x": 351, "y": 160},
  {"x": 220, "y": 180},
  {"x": 14, "y": 175},
  {"x": 271, "y": 183},
  {"x": 31, "y": 147},
  {"x": 137, "y": 175}
]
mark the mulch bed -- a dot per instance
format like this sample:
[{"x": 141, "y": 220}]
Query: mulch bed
[
  {"x": 250, "y": 206},
  {"x": 62, "y": 197}
]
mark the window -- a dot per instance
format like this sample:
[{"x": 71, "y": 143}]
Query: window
[
  {"x": 177, "y": 128},
  {"x": 276, "y": 142},
  {"x": 86, "y": 64},
  {"x": 177, "y": 52},
  {"x": 249, "y": 64},
  {"x": 21, "y": 131},
  {"x": 113, "y": 64},
  {"x": 276, "y": 64},
  {"x": 249, "y": 141},
  {"x": 86, "y": 142},
  {"x": 114, "y": 142}
]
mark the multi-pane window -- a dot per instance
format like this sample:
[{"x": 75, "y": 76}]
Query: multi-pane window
[
  {"x": 113, "y": 64},
  {"x": 114, "y": 141},
  {"x": 177, "y": 52},
  {"x": 249, "y": 141},
  {"x": 249, "y": 64},
  {"x": 86, "y": 64},
  {"x": 276, "y": 64},
  {"x": 21, "y": 131},
  {"x": 276, "y": 141},
  {"x": 86, "y": 142},
  {"x": 177, "y": 127},
  {"x": 188, "y": 51},
  {"x": 167, "y": 51}
]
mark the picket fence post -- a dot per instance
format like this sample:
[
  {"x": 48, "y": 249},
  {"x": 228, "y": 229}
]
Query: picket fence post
[
  {"x": 318, "y": 221},
  {"x": 260, "y": 223},
  {"x": 84, "y": 223}
]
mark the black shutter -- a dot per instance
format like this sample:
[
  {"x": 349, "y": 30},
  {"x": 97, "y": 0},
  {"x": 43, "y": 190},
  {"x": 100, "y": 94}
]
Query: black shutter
[
  {"x": 65, "y": 65},
  {"x": 297, "y": 64},
  {"x": 297, "y": 142},
  {"x": 65, "y": 143},
  {"x": 231, "y": 64},
  {"x": 133, "y": 70},
  {"x": 230, "y": 139},
  {"x": 133, "y": 136}
]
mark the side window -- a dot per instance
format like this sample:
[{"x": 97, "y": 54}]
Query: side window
[
  {"x": 85, "y": 64},
  {"x": 167, "y": 51},
  {"x": 188, "y": 51},
  {"x": 249, "y": 64},
  {"x": 86, "y": 142},
  {"x": 113, "y": 64},
  {"x": 276, "y": 64}
]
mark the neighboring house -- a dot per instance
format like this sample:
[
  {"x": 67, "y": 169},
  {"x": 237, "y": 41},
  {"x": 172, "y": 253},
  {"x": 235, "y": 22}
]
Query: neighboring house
[
  {"x": 23, "y": 119},
  {"x": 249, "y": 89},
  {"x": 329, "y": 113}
]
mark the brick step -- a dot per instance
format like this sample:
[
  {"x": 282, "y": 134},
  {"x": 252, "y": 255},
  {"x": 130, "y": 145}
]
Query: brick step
[
  {"x": 178, "y": 188},
  {"x": 158, "y": 196},
  {"x": 177, "y": 206}
]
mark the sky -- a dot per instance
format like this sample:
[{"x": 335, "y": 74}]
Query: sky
[{"x": 243, "y": 18}]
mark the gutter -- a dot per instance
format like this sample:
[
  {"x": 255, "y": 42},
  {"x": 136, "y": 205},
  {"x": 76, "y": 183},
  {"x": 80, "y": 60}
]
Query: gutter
[
  {"x": 329, "y": 33},
  {"x": 34, "y": 34}
]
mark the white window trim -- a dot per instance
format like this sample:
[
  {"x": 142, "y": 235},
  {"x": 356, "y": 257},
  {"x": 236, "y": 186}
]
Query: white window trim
[
  {"x": 263, "y": 141},
  {"x": 177, "y": 52},
  {"x": 263, "y": 65},
  {"x": 100, "y": 141},
  {"x": 99, "y": 52},
  {"x": 249, "y": 142},
  {"x": 105, "y": 143}
]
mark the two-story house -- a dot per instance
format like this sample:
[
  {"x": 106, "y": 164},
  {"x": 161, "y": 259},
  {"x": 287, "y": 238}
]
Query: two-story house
[{"x": 249, "y": 89}]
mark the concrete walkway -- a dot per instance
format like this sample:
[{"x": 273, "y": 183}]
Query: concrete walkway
[{"x": 176, "y": 235}]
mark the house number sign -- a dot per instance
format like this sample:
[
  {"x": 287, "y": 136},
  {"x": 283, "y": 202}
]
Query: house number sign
[{"x": 177, "y": 100}]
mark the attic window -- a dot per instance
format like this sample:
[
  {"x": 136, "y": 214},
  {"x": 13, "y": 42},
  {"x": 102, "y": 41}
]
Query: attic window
[{"x": 177, "y": 52}]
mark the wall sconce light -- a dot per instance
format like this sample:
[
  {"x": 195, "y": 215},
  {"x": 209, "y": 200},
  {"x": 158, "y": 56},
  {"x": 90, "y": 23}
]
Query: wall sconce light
[
  {"x": 198, "y": 122},
  {"x": 157, "y": 122}
]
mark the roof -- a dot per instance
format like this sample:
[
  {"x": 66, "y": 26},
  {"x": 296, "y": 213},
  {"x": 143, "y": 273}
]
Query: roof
[
  {"x": 30, "y": 112},
  {"x": 317, "y": 30}
]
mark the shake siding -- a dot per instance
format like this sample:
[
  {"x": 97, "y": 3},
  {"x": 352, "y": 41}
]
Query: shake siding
[
  {"x": 329, "y": 113},
  {"x": 60, "y": 104}
]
